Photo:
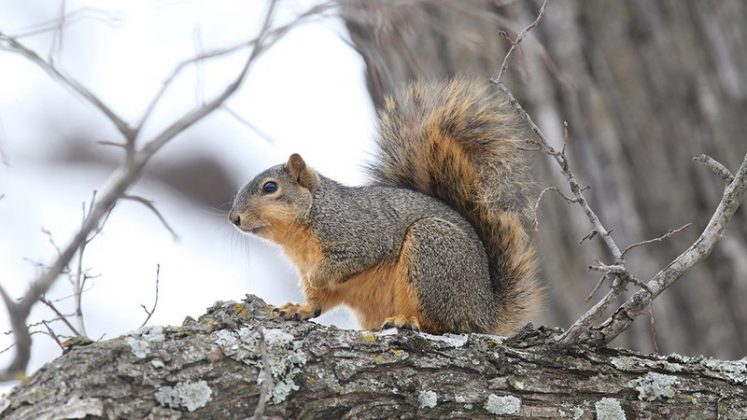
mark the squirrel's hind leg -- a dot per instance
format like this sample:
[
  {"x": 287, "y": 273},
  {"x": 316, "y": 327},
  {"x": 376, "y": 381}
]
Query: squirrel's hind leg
[{"x": 447, "y": 272}]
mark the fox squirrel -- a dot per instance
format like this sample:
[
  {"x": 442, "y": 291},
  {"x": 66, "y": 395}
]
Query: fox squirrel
[{"x": 438, "y": 242}]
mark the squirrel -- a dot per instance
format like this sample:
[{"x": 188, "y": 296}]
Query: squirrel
[{"x": 437, "y": 242}]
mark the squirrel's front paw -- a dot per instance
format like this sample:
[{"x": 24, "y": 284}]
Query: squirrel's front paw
[
  {"x": 296, "y": 312},
  {"x": 401, "y": 322}
]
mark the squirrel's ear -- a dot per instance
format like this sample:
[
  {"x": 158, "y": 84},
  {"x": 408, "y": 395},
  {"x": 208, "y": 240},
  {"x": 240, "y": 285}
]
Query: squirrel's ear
[{"x": 305, "y": 176}]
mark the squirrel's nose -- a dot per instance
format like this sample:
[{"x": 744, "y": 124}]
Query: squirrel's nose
[{"x": 235, "y": 219}]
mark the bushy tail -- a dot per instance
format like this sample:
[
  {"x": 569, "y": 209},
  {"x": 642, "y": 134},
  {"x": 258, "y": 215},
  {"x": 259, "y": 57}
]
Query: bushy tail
[{"x": 459, "y": 142}]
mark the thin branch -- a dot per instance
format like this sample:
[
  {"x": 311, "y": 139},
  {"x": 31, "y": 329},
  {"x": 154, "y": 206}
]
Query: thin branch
[
  {"x": 266, "y": 379},
  {"x": 155, "y": 303},
  {"x": 247, "y": 124},
  {"x": 652, "y": 323},
  {"x": 562, "y": 161},
  {"x": 59, "y": 34},
  {"x": 716, "y": 167},
  {"x": 80, "y": 14},
  {"x": 18, "y": 47},
  {"x": 621, "y": 272},
  {"x": 8, "y": 347},
  {"x": 518, "y": 40},
  {"x": 52, "y": 334},
  {"x": 150, "y": 204},
  {"x": 112, "y": 143},
  {"x": 659, "y": 239},
  {"x": 604, "y": 277},
  {"x": 539, "y": 199},
  {"x": 60, "y": 315}
]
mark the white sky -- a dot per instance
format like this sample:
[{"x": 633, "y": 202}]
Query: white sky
[{"x": 307, "y": 93}]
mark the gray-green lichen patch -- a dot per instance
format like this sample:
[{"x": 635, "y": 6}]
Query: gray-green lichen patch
[
  {"x": 734, "y": 370},
  {"x": 625, "y": 362},
  {"x": 655, "y": 386},
  {"x": 140, "y": 340},
  {"x": 427, "y": 399},
  {"x": 638, "y": 364},
  {"x": 452, "y": 340},
  {"x": 284, "y": 353},
  {"x": 189, "y": 395},
  {"x": 609, "y": 409},
  {"x": 139, "y": 347},
  {"x": 502, "y": 406}
]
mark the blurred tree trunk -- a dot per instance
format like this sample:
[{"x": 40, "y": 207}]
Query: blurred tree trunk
[{"x": 644, "y": 86}]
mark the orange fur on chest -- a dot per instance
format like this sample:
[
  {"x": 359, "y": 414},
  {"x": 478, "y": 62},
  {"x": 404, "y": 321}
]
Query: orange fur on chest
[
  {"x": 303, "y": 248},
  {"x": 378, "y": 293}
]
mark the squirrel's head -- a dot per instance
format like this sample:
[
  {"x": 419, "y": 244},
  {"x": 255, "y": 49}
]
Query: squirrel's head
[{"x": 275, "y": 200}]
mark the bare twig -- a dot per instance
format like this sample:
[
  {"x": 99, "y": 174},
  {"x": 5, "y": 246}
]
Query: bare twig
[
  {"x": 659, "y": 239},
  {"x": 621, "y": 272},
  {"x": 60, "y": 315},
  {"x": 518, "y": 40},
  {"x": 266, "y": 378},
  {"x": 652, "y": 322},
  {"x": 150, "y": 204},
  {"x": 589, "y": 236},
  {"x": 247, "y": 124},
  {"x": 59, "y": 34},
  {"x": 52, "y": 334},
  {"x": 16, "y": 46},
  {"x": 716, "y": 167},
  {"x": 80, "y": 14},
  {"x": 8, "y": 347},
  {"x": 155, "y": 302},
  {"x": 112, "y": 143},
  {"x": 604, "y": 277},
  {"x": 539, "y": 199},
  {"x": 562, "y": 161}
]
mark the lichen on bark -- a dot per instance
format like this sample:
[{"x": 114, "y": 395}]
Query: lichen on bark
[{"x": 212, "y": 368}]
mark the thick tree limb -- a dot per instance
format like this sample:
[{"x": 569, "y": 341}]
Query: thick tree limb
[{"x": 211, "y": 368}]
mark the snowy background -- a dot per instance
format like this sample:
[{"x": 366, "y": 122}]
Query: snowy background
[{"x": 307, "y": 94}]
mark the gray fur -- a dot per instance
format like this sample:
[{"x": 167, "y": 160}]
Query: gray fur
[
  {"x": 452, "y": 261},
  {"x": 365, "y": 226}
]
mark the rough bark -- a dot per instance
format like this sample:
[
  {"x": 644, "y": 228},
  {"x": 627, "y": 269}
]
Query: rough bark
[
  {"x": 212, "y": 368},
  {"x": 644, "y": 86}
]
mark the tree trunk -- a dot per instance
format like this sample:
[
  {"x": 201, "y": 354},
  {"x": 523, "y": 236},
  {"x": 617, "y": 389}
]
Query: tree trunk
[
  {"x": 213, "y": 368},
  {"x": 644, "y": 86}
]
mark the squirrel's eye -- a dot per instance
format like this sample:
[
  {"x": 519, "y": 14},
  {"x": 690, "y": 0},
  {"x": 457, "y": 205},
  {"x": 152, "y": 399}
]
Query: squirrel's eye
[{"x": 269, "y": 187}]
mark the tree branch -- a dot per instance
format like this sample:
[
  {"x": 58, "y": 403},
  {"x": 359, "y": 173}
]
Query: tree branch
[
  {"x": 699, "y": 250},
  {"x": 325, "y": 372}
]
